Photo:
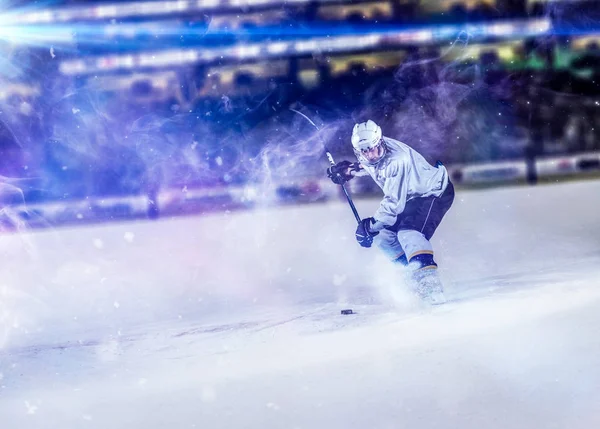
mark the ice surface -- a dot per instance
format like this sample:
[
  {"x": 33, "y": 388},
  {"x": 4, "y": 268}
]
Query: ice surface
[{"x": 232, "y": 321}]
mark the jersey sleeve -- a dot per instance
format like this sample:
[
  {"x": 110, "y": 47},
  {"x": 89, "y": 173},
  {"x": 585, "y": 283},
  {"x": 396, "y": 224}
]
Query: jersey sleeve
[{"x": 395, "y": 193}]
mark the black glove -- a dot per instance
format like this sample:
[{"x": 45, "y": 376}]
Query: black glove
[
  {"x": 364, "y": 234},
  {"x": 340, "y": 172}
]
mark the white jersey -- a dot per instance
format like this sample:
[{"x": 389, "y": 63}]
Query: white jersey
[{"x": 403, "y": 174}]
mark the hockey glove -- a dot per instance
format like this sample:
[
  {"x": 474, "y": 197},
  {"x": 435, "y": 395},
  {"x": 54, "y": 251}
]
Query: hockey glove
[
  {"x": 364, "y": 233},
  {"x": 340, "y": 173}
]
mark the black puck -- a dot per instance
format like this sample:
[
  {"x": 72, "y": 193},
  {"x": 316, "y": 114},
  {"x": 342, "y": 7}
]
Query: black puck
[{"x": 347, "y": 311}]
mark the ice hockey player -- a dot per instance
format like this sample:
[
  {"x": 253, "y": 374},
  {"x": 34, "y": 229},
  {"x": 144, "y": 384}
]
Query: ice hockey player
[{"x": 417, "y": 195}]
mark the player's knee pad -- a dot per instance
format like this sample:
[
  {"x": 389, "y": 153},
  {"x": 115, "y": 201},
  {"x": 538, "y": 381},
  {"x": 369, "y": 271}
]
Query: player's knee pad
[
  {"x": 413, "y": 243},
  {"x": 387, "y": 240},
  {"x": 389, "y": 244}
]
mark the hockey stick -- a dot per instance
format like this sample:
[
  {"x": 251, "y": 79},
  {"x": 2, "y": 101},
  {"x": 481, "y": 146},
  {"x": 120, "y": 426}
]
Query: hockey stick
[{"x": 332, "y": 162}]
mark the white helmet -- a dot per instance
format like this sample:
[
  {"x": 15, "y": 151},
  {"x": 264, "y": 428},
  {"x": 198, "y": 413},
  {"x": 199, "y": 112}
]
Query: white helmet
[{"x": 366, "y": 136}]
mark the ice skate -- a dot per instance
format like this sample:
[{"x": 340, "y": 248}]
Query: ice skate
[{"x": 428, "y": 286}]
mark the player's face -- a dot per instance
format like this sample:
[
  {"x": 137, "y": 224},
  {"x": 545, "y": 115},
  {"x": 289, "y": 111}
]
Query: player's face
[{"x": 374, "y": 154}]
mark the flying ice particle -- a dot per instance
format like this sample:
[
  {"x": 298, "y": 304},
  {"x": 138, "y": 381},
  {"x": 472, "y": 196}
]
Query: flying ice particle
[
  {"x": 338, "y": 280},
  {"x": 208, "y": 394},
  {"x": 273, "y": 406},
  {"x": 31, "y": 409}
]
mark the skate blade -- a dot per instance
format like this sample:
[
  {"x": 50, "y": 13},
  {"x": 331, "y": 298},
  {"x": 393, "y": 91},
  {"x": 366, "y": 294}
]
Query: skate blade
[{"x": 436, "y": 298}]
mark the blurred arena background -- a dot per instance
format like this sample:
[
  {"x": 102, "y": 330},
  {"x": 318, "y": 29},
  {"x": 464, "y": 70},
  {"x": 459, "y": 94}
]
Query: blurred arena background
[{"x": 137, "y": 109}]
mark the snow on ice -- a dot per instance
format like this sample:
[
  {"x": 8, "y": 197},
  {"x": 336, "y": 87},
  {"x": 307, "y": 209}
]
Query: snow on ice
[{"x": 233, "y": 321}]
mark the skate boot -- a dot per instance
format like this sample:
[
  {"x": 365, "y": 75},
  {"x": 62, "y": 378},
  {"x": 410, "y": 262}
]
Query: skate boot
[{"x": 428, "y": 285}]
